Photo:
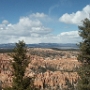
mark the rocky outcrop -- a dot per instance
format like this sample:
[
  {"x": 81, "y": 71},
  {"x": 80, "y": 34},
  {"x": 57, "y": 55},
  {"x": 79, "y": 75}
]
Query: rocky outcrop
[
  {"x": 55, "y": 79},
  {"x": 56, "y": 72},
  {"x": 5, "y": 70}
]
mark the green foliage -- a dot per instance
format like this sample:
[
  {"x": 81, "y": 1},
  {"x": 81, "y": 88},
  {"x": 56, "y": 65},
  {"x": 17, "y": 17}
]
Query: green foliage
[
  {"x": 84, "y": 56},
  {"x": 85, "y": 44},
  {"x": 20, "y": 82}
]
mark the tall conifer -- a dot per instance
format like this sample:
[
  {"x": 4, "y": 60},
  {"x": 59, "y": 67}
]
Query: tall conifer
[
  {"x": 84, "y": 56},
  {"x": 19, "y": 64}
]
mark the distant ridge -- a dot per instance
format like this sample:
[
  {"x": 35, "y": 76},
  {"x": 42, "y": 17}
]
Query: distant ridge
[{"x": 42, "y": 45}]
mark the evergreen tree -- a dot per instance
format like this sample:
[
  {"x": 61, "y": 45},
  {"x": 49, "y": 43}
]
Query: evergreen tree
[
  {"x": 84, "y": 56},
  {"x": 19, "y": 64}
]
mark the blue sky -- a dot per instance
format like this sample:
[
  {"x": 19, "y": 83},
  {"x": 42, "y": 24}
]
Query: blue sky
[{"x": 42, "y": 21}]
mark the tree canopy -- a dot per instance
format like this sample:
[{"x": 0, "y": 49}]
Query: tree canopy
[
  {"x": 19, "y": 64},
  {"x": 84, "y": 56}
]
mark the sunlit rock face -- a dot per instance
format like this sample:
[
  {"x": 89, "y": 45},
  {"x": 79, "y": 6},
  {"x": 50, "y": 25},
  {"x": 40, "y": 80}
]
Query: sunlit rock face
[
  {"x": 5, "y": 70},
  {"x": 55, "y": 79},
  {"x": 55, "y": 70}
]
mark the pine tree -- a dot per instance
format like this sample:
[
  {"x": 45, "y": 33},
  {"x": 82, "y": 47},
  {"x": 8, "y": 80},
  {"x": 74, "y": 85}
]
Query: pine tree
[
  {"x": 84, "y": 56},
  {"x": 19, "y": 64}
]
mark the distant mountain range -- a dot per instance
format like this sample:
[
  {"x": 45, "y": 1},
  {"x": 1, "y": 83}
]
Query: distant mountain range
[{"x": 42, "y": 45}]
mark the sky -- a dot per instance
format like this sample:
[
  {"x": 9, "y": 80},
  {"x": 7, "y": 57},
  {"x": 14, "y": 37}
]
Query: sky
[{"x": 42, "y": 21}]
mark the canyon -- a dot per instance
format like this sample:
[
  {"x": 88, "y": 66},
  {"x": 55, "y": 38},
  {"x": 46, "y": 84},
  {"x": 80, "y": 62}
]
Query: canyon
[{"x": 52, "y": 69}]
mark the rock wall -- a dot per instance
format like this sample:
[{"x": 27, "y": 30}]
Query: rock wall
[
  {"x": 5, "y": 70},
  {"x": 56, "y": 72},
  {"x": 54, "y": 80}
]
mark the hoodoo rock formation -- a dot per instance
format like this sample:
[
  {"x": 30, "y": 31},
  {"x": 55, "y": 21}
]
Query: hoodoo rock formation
[{"x": 55, "y": 70}]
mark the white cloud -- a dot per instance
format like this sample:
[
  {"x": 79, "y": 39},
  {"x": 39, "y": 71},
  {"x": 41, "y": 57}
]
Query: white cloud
[
  {"x": 70, "y": 34},
  {"x": 27, "y": 28},
  {"x": 76, "y": 18},
  {"x": 5, "y": 22},
  {"x": 64, "y": 37},
  {"x": 69, "y": 37},
  {"x": 38, "y": 15},
  {"x": 33, "y": 31}
]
